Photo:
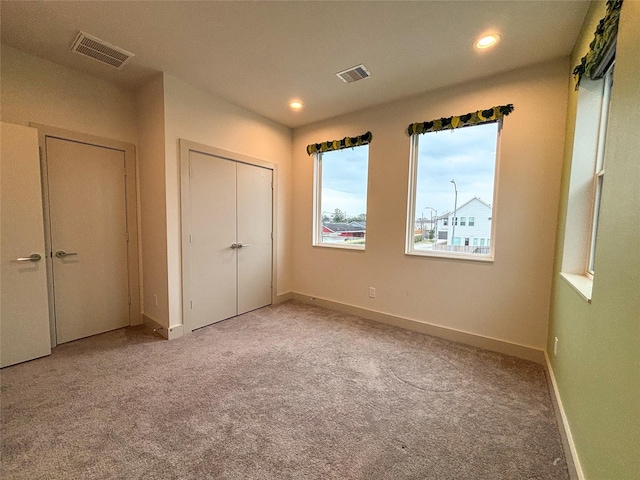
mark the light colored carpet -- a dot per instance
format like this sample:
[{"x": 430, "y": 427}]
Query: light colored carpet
[{"x": 286, "y": 392}]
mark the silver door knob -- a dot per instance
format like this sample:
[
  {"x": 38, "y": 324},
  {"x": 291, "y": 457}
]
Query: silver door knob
[
  {"x": 34, "y": 257},
  {"x": 241, "y": 245},
  {"x": 62, "y": 254},
  {"x": 234, "y": 245}
]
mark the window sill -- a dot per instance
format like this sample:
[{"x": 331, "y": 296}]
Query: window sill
[
  {"x": 339, "y": 246},
  {"x": 580, "y": 283},
  {"x": 452, "y": 256}
]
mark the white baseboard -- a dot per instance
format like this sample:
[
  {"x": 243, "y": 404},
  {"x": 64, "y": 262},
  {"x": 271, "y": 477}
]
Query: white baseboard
[
  {"x": 136, "y": 320},
  {"x": 283, "y": 297},
  {"x": 575, "y": 469},
  {"x": 487, "y": 343},
  {"x": 170, "y": 333}
]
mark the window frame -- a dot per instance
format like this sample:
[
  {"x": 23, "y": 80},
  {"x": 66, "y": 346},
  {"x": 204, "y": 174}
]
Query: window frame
[
  {"x": 317, "y": 203},
  {"x": 411, "y": 201},
  {"x": 599, "y": 170},
  {"x": 586, "y": 182}
]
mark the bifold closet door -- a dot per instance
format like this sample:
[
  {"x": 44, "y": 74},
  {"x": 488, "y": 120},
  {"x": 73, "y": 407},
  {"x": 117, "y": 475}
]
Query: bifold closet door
[
  {"x": 212, "y": 188},
  {"x": 254, "y": 204},
  {"x": 231, "y": 210}
]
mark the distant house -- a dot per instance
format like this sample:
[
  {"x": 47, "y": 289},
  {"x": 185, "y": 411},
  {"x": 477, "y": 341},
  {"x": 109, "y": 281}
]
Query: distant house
[
  {"x": 343, "y": 229},
  {"x": 472, "y": 225},
  {"x": 442, "y": 225}
]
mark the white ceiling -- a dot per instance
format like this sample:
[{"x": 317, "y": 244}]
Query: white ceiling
[{"x": 260, "y": 54}]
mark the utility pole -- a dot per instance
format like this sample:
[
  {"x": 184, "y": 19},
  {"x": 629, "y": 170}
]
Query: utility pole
[{"x": 455, "y": 212}]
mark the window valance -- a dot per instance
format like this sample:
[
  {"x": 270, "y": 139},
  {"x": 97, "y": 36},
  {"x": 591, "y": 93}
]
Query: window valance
[
  {"x": 346, "y": 142},
  {"x": 467, "y": 120},
  {"x": 602, "y": 47}
]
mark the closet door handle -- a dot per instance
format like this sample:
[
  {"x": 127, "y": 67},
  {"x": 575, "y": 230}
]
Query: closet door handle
[
  {"x": 62, "y": 254},
  {"x": 242, "y": 245},
  {"x": 34, "y": 257},
  {"x": 235, "y": 245}
]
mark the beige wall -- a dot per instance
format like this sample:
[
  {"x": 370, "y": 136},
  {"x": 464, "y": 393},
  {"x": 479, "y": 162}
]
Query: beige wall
[
  {"x": 597, "y": 367},
  {"x": 507, "y": 299},
  {"x": 204, "y": 118},
  {"x": 40, "y": 91},
  {"x": 153, "y": 210}
]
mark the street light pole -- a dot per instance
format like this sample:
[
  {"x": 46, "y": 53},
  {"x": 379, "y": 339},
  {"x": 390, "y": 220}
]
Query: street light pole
[{"x": 455, "y": 211}]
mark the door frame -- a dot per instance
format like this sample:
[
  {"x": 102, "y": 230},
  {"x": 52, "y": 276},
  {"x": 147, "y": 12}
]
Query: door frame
[
  {"x": 132, "y": 212},
  {"x": 185, "y": 147}
]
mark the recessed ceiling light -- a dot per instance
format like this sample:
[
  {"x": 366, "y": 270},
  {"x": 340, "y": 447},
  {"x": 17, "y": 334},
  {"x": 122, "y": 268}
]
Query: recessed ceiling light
[
  {"x": 487, "y": 41},
  {"x": 295, "y": 105}
]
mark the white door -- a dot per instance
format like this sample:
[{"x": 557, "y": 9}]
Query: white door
[
  {"x": 254, "y": 226},
  {"x": 230, "y": 268},
  {"x": 213, "y": 232},
  {"x": 87, "y": 202},
  {"x": 24, "y": 308}
]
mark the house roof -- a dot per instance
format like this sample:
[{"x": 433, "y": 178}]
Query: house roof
[
  {"x": 261, "y": 55},
  {"x": 474, "y": 199},
  {"x": 344, "y": 227}
]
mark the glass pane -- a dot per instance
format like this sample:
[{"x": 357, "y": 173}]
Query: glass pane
[
  {"x": 343, "y": 196},
  {"x": 455, "y": 182}
]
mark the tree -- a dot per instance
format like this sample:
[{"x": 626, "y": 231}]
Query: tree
[
  {"x": 359, "y": 218},
  {"x": 339, "y": 216}
]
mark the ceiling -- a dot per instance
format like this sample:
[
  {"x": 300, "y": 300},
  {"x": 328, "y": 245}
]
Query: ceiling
[{"x": 260, "y": 55}]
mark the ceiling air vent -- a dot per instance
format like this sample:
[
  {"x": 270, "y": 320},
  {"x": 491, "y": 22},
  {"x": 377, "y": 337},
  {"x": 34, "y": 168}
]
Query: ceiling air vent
[
  {"x": 353, "y": 74},
  {"x": 101, "y": 51}
]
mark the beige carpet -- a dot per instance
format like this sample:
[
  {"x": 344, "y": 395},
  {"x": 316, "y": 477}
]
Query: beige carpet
[{"x": 287, "y": 392}]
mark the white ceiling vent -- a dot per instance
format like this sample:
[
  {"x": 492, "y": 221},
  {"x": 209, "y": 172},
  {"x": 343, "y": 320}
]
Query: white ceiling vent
[
  {"x": 101, "y": 51},
  {"x": 353, "y": 74}
]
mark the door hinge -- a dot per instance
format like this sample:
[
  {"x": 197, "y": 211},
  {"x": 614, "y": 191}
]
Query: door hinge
[
  {"x": 190, "y": 238},
  {"x": 190, "y": 172},
  {"x": 191, "y": 304},
  {"x": 129, "y": 299},
  {"x": 127, "y": 237}
]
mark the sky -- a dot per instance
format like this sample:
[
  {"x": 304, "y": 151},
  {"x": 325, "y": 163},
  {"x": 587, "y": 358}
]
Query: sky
[
  {"x": 466, "y": 155},
  {"x": 344, "y": 180}
]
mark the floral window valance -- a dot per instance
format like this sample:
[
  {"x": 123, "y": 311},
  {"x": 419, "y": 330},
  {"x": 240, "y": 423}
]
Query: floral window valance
[
  {"x": 602, "y": 47},
  {"x": 475, "y": 118},
  {"x": 346, "y": 142}
]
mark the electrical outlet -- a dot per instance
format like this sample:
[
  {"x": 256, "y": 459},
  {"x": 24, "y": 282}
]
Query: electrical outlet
[
  {"x": 155, "y": 299},
  {"x": 555, "y": 345},
  {"x": 372, "y": 292}
]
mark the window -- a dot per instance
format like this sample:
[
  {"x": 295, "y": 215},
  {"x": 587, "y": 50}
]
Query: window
[
  {"x": 341, "y": 197},
  {"x": 587, "y": 182},
  {"x": 598, "y": 175},
  {"x": 453, "y": 171},
  {"x": 475, "y": 242}
]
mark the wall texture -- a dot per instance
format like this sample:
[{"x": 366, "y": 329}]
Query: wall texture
[
  {"x": 40, "y": 91},
  {"x": 507, "y": 299},
  {"x": 597, "y": 367},
  {"x": 204, "y": 118},
  {"x": 153, "y": 207}
]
